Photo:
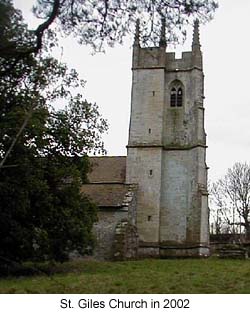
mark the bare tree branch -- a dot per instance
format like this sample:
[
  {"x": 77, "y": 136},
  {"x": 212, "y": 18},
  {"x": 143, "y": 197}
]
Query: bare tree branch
[{"x": 233, "y": 193}]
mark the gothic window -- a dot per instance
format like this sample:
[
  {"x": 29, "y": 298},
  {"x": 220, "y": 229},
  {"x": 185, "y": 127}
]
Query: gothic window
[
  {"x": 173, "y": 97},
  {"x": 179, "y": 97},
  {"x": 176, "y": 95}
]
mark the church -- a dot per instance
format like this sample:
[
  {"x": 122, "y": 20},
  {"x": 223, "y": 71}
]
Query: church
[{"x": 154, "y": 201}]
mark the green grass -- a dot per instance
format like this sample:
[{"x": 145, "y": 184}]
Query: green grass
[{"x": 187, "y": 276}]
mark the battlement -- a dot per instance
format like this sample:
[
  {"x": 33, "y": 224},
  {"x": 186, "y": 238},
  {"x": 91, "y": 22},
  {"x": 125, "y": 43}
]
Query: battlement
[
  {"x": 185, "y": 62},
  {"x": 150, "y": 57},
  {"x": 156, "y": 57}
]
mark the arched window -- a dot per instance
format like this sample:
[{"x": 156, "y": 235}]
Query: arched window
[
  {"x": 179, "y": 97},
  {"x": 173, "y": 97},
  {"x": 176, "y": 94}
]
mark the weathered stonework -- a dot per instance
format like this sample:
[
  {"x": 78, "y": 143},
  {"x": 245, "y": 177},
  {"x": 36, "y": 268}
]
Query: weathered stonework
[
  {"x": 117, "y": 207},
  {"x": 166, "y": 152},
  {"x": 153, "y": 203},
  {"x": 125, "y": 241},
  {"x": 105, "y": 230}
]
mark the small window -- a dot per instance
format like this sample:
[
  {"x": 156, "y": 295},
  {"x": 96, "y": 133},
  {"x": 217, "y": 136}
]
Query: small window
[
  {"x": 149, "y": 218},
  {"x": 150, "y": 172},
  {"x": 149, "y": 131}
]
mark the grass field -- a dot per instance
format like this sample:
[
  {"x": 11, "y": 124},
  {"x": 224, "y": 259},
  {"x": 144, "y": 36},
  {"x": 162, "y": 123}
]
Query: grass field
[{"x": 188, "y": 276}]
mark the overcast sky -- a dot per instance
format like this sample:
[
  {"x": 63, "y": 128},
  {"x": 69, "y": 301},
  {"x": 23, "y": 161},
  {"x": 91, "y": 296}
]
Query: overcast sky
[{"x": 226, "y": 50}]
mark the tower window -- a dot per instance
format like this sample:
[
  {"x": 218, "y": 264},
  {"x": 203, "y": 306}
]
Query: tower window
[
  {"x": 149, "y": 131},
  {"x": 176, "y": 94},
  {"x": 179, "y": 97},
  {"x": 173, "y": 97},
  {"x": 150, "y": 172}
]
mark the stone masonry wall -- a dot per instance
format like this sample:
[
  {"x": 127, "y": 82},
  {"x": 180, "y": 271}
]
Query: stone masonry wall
[
  {"x": 126, "y": 241},
  {"x": 167, "y": 151},
  {"x": 145, "y": 170},
  {"x": 104, "y": 231},
  {"x": 148, "y": 99}
]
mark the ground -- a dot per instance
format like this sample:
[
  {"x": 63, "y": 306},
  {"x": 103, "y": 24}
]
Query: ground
[{"x": 146, "y": 276}]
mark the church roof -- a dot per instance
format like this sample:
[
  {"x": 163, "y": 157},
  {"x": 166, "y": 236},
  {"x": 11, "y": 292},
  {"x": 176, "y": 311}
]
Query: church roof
[
  {"x": 106, "y": 185},
  {"x": 107, "y": 169},
  {"x": 106, "y": 195}
]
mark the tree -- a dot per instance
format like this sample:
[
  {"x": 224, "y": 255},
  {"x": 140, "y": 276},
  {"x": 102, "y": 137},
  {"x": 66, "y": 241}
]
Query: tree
[
  {"x": 232, "y": 193},
  {"x": 43, "y": 212},
  {"x": 43, "y": 152},
  {"x": 97, "y": 23},
  {"x": 220, "y": 217}
]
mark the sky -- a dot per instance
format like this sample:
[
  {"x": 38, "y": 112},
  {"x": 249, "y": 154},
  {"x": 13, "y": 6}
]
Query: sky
[{"x": 226, "y": 57}]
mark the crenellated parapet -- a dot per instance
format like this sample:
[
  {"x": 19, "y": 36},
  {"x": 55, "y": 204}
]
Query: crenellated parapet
[
  {"x": 157, "y": 57},
  {"x": 150, "y": 57}
]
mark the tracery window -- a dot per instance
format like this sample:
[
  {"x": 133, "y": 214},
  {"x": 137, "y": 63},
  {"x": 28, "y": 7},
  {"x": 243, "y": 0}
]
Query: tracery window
[
  {"x": 173, "y": 97},
  {"x": 179, "y": 97},
  {"x": 176, "y": 95}
]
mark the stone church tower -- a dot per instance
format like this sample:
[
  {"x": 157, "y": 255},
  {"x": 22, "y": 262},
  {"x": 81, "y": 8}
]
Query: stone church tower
[
  {"x": 167, "y": 150},
  {"x": 154, "y": 201}
]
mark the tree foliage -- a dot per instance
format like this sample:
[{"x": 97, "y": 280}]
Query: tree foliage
[
  {"x": 99, "y": 23},
  {"x": 43, "y": 212},
  {"x": 231, "y": 197},
  {"x": 43, "y": 151},
  {"x": 96, "y": 22}
]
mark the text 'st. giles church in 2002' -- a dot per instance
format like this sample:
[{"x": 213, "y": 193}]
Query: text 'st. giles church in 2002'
[{"x": 154, "y": 202}]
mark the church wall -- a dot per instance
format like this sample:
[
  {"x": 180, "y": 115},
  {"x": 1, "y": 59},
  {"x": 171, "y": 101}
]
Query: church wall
[
  {"x": 169, "y": 141},
  {"x": 144, "y": 168},
  {"x": 145, "y": 134},
  {"x": 204, "y": 237},
  {"x": 179, "y": 218},
  {"x": 202, "y": 169},
  {"x": 147, "y": 103},
  {"x": 104, "y": 231},
  {"x": 184, "y": 125}
]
